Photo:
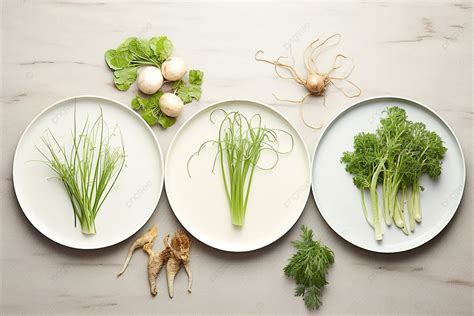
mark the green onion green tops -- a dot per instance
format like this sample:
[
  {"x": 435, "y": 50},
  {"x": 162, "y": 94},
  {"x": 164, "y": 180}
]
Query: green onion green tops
[
  {"x": 240, "y": 142},
  {"x": 88, "y": 170}
]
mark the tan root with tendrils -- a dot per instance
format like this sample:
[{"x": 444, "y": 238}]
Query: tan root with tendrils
[
  {"x": 148, "y": 237},
  {"x": 180, "y": 246},
  {"x": 316, "y": 81},
  {"x": 156, "y": 262}
]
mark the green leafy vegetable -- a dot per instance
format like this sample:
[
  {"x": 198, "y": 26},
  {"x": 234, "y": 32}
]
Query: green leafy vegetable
[
  {"x": 133, "y": 53},
  {"x": 149, "y": 110},
  {"x": 124, "y": 78},
  {"x": 308, "y": 267},
  {"x": 88, "y": 170},
  {"x": 192, "y": 90},
  {"x": 162, "y": 47},
  {"x": 395, "y": 156},
  {"x": 240, "y": 144}
]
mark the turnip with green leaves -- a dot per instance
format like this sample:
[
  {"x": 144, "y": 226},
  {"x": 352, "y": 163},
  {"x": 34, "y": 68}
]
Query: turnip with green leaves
[
  {"x": 158, "y": 75},
  {"x": 171, "y": 104},
  {"x": 173, "y": 68},
  {"x": 149, "y": 80}
]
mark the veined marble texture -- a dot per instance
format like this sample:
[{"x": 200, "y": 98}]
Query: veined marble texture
[{"x": 51, "y": 50}]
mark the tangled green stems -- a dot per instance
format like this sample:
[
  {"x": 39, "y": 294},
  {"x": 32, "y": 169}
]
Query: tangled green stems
[
  {"x": 240, "y": 144},
  {"x": 89, "y": 170}
]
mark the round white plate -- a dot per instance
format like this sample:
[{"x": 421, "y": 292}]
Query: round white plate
[
  {"x": 130, "y": 203},
  {"x": 277, "y": 197},
  {"x": 338, "y": 199}
]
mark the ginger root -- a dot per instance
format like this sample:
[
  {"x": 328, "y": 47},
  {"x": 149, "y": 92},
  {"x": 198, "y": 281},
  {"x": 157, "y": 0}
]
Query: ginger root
[
  {"x": 155, "y": 262},
  {"x": 179, "y": 255},
  {"x": 147, "y": 238}
]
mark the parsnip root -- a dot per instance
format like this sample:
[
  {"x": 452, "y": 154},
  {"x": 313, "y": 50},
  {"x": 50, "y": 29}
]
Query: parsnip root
[
  {"x": 148, "y": 237},
  {"x": 155, "y": 263},
  {"x": 179, "y": 255}
]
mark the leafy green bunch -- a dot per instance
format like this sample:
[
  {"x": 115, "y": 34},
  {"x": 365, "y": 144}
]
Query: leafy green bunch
[
  {"x": 395, "y": 156},
  {"x": 134, "y": 53},
  {"x": 308, "y": 267}
]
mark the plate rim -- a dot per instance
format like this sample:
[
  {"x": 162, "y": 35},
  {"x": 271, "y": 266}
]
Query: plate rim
[
  {"x": 49, "y": 107},
  {"x": 422, "y": 105},
  {"x": 286, "y": 120}
]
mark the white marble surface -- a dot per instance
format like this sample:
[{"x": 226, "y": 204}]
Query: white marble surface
[{"x": 52, "y": 50}]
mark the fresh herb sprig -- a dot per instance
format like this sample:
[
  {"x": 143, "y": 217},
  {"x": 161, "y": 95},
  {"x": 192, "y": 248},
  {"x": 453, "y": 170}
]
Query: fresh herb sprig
[{"x": 308, "y": 267}]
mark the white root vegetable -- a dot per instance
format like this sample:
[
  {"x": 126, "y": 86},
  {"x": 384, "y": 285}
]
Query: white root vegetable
[
  {"x": 173, "y": 68},
  {"x": 149, "y": 80},
  {"x": 155, "y": 263},
  {"x": 147, "y": 238},
  {"x": 190, "y": 276},
  {"x": 171, "y": 104},
  {"x": 172, "y": 267},
  {"x": 179, "y": 255}
]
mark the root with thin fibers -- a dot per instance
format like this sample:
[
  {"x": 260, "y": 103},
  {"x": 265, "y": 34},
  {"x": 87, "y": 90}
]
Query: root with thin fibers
[{"x": 316, "y": 81}]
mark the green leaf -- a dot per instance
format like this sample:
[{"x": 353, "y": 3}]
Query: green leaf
[
  {"x": 149, "y": 117},
  {"x": 162, "y": 47},
  {"x": 124, "y": 45},
  {"x": 135, "y": 104},
  {"x": 140, "y": 48},
  {"x": 155, "y": 98},
  {"x": 195, "y": 77},
  {"x": 124, "y": 78},
  {"x": 166, "y": 121},
  {"x": 116, "y": 59},
  {"x": 139, "y": 103},
  {"x": 312, "y": 297},
  {"x": 188, "y": 92}
]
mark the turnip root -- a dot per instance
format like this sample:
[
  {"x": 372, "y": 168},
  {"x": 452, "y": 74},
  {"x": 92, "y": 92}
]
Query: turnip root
[
  {"x": 147, "y": 238},
  {"x": 315, "y": 81},
  {"x": 179, "y": 255},
  {"x": 173, "y": 68},
  {"x": 149, "y": 80},
  {"x": 171, "y": 104},
  {"x": 155, "y": 262}
]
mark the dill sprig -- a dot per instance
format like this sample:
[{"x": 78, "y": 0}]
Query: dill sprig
[{"x": 308, "y": 267}]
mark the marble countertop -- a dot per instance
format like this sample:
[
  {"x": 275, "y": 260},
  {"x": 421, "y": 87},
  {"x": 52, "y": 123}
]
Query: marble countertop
[{"x": 54, "y": 49}]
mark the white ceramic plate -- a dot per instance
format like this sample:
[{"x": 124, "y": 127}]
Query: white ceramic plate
[
  {"x": 338, "y": 199},
  {"x": 130, "y": 203},
  {"x": 277, "y": 197}
]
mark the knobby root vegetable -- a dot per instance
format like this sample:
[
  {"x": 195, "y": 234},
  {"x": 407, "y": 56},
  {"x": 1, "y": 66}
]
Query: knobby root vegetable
[
  {"x": 147, "y": 238},
  {"x": 179, "y": 255},
  {"x": 149, "y": 80},
  {"x": 171, "y": 104},
  {"x": 155, "y": 262},
  {"x": 173, "y": 68},
  {"x": 315, "y": 81}
]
